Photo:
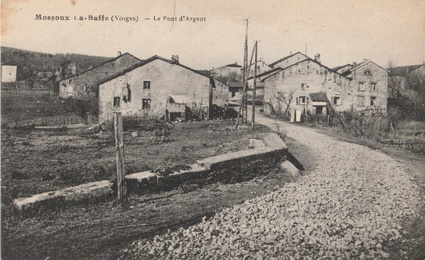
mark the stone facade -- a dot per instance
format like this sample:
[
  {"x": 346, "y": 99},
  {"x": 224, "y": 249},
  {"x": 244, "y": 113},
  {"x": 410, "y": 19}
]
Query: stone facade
[
  {"x": 348, "y": 88},
  {"x": 221, "y": 93},
  {"x": 261, "y": 68},
  {"x": 303, "y": 78},
  {"x": 143, "y": 90},
  {"x": 79, "y": 86},
  {"x": 226, "y": 70},
  {"x": 369, "y": 86}
]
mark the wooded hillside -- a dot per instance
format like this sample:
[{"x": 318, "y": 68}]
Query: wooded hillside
[{"x": 50, "y": 62}]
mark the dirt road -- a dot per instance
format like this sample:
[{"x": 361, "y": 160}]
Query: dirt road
[{"x": 357, "y": 203}]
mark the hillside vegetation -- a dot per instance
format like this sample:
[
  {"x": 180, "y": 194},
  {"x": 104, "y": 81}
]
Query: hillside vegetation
[{"x": 50, "y": 62}]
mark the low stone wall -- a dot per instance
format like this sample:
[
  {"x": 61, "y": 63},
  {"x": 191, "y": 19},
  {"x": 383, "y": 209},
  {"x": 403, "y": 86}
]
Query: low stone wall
[
  {"x": 226, "y": 168},
  {"x": 90, "y": 192}
]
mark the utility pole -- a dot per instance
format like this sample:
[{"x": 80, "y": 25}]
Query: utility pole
[
  {"x": 119, "y": 146},
  {"x": 254, "y": 86},
  {"x": 243, "y": 103}
]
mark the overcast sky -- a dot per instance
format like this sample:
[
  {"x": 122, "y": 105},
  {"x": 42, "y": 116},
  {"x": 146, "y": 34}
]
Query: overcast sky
[{"x": 341, "y": 31}]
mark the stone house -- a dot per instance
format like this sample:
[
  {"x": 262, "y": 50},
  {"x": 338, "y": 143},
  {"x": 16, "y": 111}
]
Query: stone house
[
  {"x": 304, "y": 85},
  {"x": 79, "y": 86},
  {"x": 308, "y": 85},
  {"x": 147, "y": 88},
  {"x": 261, "y": 67},
  {"x": 289, "y": 60},
  {"x": 369, "y": 85},
  {"x": 227, "y": 70}
]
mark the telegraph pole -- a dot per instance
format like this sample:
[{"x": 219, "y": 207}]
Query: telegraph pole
[
  {"x": 254, "y": 86},
  {"x": 243, "y": 103}
]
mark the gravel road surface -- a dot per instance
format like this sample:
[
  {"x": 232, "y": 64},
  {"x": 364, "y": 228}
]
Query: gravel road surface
[{"x": 349, "y": 206}]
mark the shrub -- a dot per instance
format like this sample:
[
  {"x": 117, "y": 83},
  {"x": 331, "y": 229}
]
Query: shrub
[{"x": 19, "y": 175}]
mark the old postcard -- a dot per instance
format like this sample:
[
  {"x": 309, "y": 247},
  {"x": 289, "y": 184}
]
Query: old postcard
[{"x": 212, "y": 129}]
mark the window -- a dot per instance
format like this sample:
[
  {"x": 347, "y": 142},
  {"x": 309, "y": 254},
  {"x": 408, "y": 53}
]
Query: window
[
  {"x": 360, "y": 101},
  {"x": 117, "y": 101},
  {"x": 373, "y": 86},
  {"x": 367, "y": 73},
  {"x": 146, "y": 85},
  {"x": 361, "y": 86},
  {"x": 302, "y": 86},
  {"x": 301, "y": 100},
  {"x": 146, "y": 103},
  {"x": 336, "y": 100},
  {"x": 372, "y": 101}
]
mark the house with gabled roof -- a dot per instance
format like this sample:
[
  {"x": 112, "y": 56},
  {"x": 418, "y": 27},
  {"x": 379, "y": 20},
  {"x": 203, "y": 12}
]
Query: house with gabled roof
[
  {"x": 288, "y": 60},
  {"x": 261, "y": 68},
  {"x": 79, "y": 86},
  {"x": 227, "y": 70},
  {"x": 369, "y": 85},
  {"x": 304, "y": 85},
  {"x": 307, "y": 82},
  {"x": 147, "y": 88}
]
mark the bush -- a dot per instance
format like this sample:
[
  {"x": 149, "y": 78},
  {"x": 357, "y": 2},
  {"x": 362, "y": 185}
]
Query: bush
[{"x": 19, "y": 175}]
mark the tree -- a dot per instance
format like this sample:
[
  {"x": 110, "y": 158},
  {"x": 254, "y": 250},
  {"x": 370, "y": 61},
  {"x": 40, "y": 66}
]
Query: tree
[
  {"x": 394, "y": 82},
  {"x": 286, "y": 99}
]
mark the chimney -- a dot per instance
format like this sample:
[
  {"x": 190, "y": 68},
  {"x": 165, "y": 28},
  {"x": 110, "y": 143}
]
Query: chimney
[
  {"x": 290, "y": 53},
  {"x": 354, "y": 64},
  {"x": 317, "y": 58},
  {"x": 119, "y": 53},
  {"x": 175, "y": 58}
]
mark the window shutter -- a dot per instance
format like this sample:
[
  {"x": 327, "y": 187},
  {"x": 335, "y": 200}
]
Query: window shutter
[{"x": 297, "y": 100}]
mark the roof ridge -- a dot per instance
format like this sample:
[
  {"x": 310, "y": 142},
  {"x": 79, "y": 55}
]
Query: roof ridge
[
  {"x": 286, "y": 57},
  {"x": 110, "y": 60},
  {"x": 140, "y": 64},
  {"x": 320, "y": 64}
]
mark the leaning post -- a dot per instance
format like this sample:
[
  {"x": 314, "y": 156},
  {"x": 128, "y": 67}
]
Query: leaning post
[{"x": 119, "y": 146}]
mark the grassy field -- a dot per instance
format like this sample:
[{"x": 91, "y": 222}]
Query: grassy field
[
  {"x": 27, "y": 104},
  {"x": 40, "y": 161}
]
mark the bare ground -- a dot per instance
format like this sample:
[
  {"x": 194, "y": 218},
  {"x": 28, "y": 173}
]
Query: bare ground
[{"x": 101, "y": 231}]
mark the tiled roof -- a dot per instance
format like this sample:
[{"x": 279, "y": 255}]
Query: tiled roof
[
  {"x": 235, "y": 84},
  {"x": 284, "y": 58},
  {"x": 105, "y": 69},
  {"x": 155, "y": 57},
  {"x": 340, "y": 67},
  {"x": 234, "y": 65},
  {"x": 318, "y": 97}
]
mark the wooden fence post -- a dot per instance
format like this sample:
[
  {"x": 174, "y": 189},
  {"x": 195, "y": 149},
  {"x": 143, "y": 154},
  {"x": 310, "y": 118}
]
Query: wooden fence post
[{"x": 119, "y": 145}]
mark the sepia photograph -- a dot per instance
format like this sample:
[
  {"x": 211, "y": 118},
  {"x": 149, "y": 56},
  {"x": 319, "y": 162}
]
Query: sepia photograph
[{"x": 212, "y": 129}]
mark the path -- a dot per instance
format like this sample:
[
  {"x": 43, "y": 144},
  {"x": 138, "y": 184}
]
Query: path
[{"x": 349, "y": 206}]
